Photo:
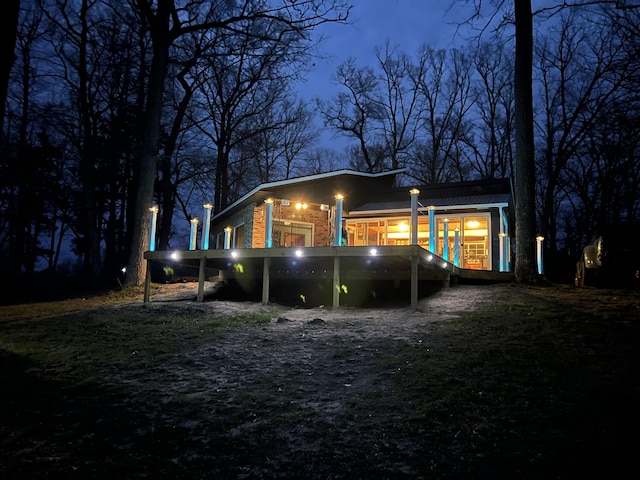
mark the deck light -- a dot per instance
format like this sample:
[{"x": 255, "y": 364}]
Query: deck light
[
  {"x": 429, "y": 257},
  {"x": 175, "y": 256},
  {"x": 373, "y": 252},
  {"x": 298, "y": 253},
  {"x": 234, "y": 254},
  {"x": 444, "y": 264}
]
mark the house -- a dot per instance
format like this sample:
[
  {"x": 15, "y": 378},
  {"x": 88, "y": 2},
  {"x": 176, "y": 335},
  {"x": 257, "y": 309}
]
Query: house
[
  {"x": 471, "y": 221},
  {"x": 344, "y": 235}
]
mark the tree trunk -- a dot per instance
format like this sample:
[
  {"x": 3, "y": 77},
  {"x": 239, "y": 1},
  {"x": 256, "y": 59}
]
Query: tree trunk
[
  {"x": 525, "y": 270},
  {"x": 149, "y": 150},
  {"x": 8, "y": 34}
]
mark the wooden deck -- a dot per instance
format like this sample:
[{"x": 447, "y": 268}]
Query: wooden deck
[{"x": 399, "y": 263}]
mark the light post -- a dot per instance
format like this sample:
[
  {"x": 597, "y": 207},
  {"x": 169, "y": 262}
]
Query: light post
[
  {"x": 152, "y": 233},
  {"x": 207, "y": 226},
  {"x": 193, "y": 233},
  {"x": 414, "y": 192},
  {"x": 432, "y": 228},
  {"x": 268, "y": 227},
  {"x": 539, "y": 241}
]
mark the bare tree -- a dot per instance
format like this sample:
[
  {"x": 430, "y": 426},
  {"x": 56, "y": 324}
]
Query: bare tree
[
  {"x": 582, "y": 76},
  {"x": 356, "y": 112},
  {"x": 169, "y": 20},
  {"x": 445, "y": 101},
  {"x": 492, "y": 146},
  {"x": 8, "y": 34}
]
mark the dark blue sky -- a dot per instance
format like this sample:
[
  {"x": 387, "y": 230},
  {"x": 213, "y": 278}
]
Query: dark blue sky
[{"x": 406, "y": 23}]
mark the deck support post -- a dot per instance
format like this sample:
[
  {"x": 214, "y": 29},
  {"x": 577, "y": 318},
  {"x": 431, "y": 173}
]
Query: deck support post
[
  {"x": 265, "y": 280},
  {"x": 200, "y": 296},
  {"x": 147, "y": 282},
  {"x": 414, "y": 282},
  {"x": 336, "y": 280}
]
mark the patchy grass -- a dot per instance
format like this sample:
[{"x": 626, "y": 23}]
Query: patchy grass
[{"x": 538, "y": 383}]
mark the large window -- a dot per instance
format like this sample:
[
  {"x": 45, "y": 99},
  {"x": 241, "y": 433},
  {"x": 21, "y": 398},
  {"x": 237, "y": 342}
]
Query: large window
[
  {"x": 473, "y": 236},
  {"x": 292, "y": 234}
]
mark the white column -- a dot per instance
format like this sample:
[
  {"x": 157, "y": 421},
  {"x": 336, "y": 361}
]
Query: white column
[
  {"x": 456, "y": 247},
  {"x": 268, "y": 225},
  {"x": 152, "y": 229},
  {"x": 227, "y": 238},
  {"x": 193, "y": 234},
  {"x": 206, "y": 227},
  {"x": 338, "y": 220},
  {"x": 445, "y": 245},
  {"x": 539, "y": 240},
  {"x": 501, "y": 236},
  {"x": 414, "y": 192},
  {"x": 432, "y": 229}
]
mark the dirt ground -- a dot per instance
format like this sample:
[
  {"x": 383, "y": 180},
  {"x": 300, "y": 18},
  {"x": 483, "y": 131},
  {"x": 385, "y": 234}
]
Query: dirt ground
[{"x": 311, "y": 393}]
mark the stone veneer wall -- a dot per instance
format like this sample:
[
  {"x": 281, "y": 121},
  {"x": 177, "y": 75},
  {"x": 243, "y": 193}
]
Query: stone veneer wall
[{"x": 313, "y": 214}]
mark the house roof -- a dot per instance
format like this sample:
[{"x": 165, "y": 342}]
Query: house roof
[
  {"x": 471, "y": 194},
  {"x": 320, "y": 188},
  {"x": 470, "y": 201},
  {"x": 377, "y": 193}
]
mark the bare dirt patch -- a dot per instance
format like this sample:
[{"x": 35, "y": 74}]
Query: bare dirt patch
[{"x": 480, "y": 382}]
